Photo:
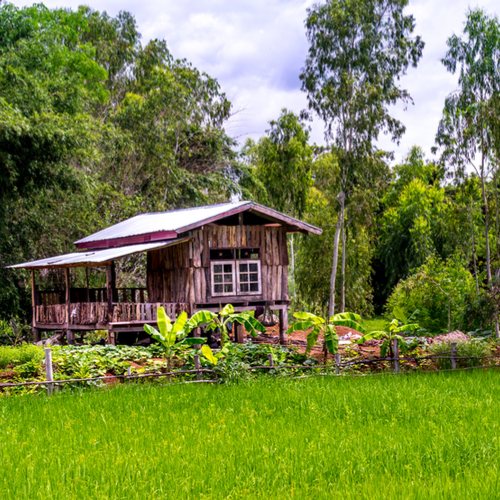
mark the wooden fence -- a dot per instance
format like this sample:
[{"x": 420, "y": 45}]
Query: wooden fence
[{"x": 199, "y": 371}]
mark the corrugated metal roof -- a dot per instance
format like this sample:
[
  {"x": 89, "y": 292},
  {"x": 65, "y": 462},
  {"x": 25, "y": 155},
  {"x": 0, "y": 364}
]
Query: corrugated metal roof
[
  {"x": 173, "y": 220},
  {"x": 97, "y": 257},
  {"x": 178, "y": 221}
]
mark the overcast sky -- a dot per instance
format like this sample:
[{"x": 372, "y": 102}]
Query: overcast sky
[{"x": 256, "y": 49}]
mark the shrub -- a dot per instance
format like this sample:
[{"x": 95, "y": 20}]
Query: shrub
[
  {"x": 439, "y": 290},
  {"x": 7, "y": 354},
  {"x": 25, "y": 353},
  {"x": 475, "y": 349}
]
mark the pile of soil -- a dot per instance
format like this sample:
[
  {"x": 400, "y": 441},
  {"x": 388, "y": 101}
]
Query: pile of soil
[{"x": 456, "y": 336}]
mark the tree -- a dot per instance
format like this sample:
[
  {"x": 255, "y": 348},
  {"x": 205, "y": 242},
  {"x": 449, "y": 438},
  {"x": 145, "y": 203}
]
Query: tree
[
  {"x": 468, "y": 130},
  {"x": 358, "y": 51}
]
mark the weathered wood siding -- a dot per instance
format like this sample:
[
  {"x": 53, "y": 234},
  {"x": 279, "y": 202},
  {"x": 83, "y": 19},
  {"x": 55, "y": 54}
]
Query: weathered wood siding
[{"x": 182, "y": 273}]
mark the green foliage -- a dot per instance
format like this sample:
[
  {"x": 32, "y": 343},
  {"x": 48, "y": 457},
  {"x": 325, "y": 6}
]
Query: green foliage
[
  {"x": 263, "y": 423},
  {"x": 399, "y": 325},
  {"x": 282, "y": 161},
  {"x": 19, "y": 355},
  {"x": 439, "y": 290},
  {"x": 220, "y": 321},
  {"x": 475, "y": 349},
  {"x": 318, "y": 326}
]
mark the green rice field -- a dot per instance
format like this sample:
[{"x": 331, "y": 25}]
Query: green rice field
[{"x": 403, "y": 437}]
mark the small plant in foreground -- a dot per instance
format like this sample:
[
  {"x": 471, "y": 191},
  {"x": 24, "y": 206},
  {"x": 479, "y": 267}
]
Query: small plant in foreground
[
  {"x": 172, "y": 337},
  {"x": 398, "y": 325},
  {"x": 220, "y": 321},
  {"x": 317, "y": 325}
]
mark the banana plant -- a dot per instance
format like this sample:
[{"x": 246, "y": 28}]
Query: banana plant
[
  {"x": 399, "y": 324},
  {"x": 172, "y": 337},
  {"x": 318, "y": 326},
  {"x": 221, "y": 320}
]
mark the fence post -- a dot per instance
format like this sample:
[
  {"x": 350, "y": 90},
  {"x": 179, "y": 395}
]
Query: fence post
[
  {"x": 453, "y": 360},
  {"x": 337, "y": 363},
  {"x": 271, "y": 360},
  {"x": 197, "y": 365},
  {"x": 396, "y": 355},
  {"x": 48, "y": 370}
]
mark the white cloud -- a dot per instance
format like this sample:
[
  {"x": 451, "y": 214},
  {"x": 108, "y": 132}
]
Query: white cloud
[{"x": 256, "y": 48}]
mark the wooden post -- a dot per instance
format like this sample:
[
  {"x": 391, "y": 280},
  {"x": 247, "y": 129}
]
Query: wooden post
[
  {"x": 197, "y": 333},
  {"x": 109, "y": 289},
  {"x": 129, "y": 371},
  {"x": 34, "y": 303},
  {"x": 70, "y": 337},
  {"x": 283, "y": 322},
  {"x": 337, "y": 363},
  {"x": 68, "y": 304},
  {"x": 238, "y": 333},
  {"x": 197, "y": 365},
  {"x": 111, "y": 337},
  {"x": 453, "y": 360},
  {"x": 396, "y": 355},
  {"x": 271, "y": 360},
  {"x": 48, "y": 370}
]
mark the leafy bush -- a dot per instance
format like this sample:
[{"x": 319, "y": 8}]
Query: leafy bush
[
  {"x": 440, "y": 290},
  {"x": 6, "y": 356},
  {"x": 25, "y": 353},
  {"x": 475, "y": 349}
]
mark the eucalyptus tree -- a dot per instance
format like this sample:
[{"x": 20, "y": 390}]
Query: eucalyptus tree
[
  {"x": 468, "y": 131},
  {"x": 358, "y": 52}
]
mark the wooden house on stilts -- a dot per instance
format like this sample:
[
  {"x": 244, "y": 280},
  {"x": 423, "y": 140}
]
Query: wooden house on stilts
[{"x": 198, "y": 258}]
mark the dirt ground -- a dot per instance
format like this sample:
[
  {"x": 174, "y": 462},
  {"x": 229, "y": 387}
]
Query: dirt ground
[{"x": 299, "y": 340}]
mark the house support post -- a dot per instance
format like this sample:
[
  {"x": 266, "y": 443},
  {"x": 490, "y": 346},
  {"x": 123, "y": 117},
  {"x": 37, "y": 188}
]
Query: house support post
[
  {"x": 238, "y": 333},
  {"x": 34, "y": 302},
  {"x": 69, "y": 334},
  {"x": 110, "y": 292},
  {"x": 283, "y": 321}
]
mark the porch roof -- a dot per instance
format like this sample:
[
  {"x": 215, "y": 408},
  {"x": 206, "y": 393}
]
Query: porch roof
[{"x": 95, "y": 258}]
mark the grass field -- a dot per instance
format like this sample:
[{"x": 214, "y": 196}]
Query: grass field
[{"x": 407, "y": 437}]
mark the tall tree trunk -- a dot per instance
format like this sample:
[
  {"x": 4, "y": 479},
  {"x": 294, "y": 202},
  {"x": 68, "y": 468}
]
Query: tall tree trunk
[
  {"x": 486, "y": 223},
  {"x": 474, "y": 251},
  {"x": 342, "y": 272},
  {"x": 336, "y": 255}
]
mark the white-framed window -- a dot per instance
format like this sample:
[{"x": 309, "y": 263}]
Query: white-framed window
[
  {"x": 223, "y": 277},
  {"x": 248, "y": 272},
  {"x": 235, "y": 276}
]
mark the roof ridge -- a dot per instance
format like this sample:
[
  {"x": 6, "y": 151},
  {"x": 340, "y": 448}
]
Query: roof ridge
[{"x": 242, "y": 202}]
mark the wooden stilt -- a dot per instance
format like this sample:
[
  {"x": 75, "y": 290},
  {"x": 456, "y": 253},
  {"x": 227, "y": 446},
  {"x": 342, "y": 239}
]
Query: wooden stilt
[
  {"x": 283, "y": 323},
  {"x": 238, "y": 333},
  {"x": 34, "y": 303}
]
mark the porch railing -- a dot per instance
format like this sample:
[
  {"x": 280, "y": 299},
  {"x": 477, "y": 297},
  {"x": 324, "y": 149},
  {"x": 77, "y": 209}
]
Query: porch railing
[
  {"x": 78, "y": 295},
  {"x": 96, "y": 313}
]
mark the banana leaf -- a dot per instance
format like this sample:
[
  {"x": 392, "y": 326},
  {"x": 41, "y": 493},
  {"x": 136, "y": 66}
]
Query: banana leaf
[
  {"x": 309, "y": 317},
  {"x": 154, "y": 333},
  {"x": 252, "y": 325},
  {"x": 179, "y": 326},
  {"x": 207, "y": 352},
  {"x": 164, "y": 322},
  {"x": 349, "y": 323},
  {"x": 331, "y": 339},
  {"x": 300, "y": 326},
  {"x": 371, "y": 335},
  {"x": 227, "y": 310},
  {"x": 399, "y": 314},
  {"x": 407, "y": 328},
  {"x": 192, "y": 340},
  {"x": 345, "y": 315},
  {"x": 312, "y": 338},
  {"x": 200, "y": 318}
]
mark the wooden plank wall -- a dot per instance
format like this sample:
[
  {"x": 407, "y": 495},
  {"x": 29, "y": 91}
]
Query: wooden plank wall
[{"x": 182, "y": 273}]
